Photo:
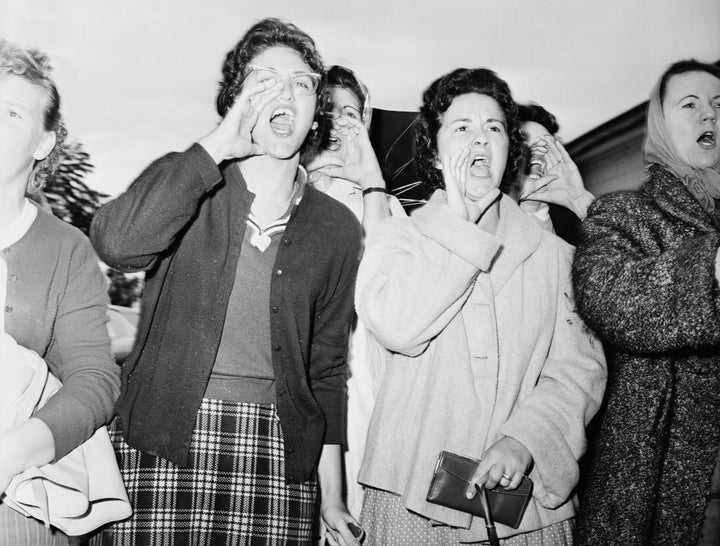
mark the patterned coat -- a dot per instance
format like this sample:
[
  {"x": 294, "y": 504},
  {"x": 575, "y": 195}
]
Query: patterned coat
[{"x": 644, "y": 277}]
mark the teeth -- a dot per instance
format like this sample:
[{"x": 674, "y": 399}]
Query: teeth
[
  {"x": 708, "y": 137},
  {"x": 282, "y": 112},
  {"x": 483, "y": 160}
]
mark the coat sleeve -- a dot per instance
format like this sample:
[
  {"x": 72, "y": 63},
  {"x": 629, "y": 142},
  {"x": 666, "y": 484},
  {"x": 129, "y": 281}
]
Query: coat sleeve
[
  {"x": 130, "y": 232},
  {"x": 639, "y": 293},
  {"x": 551, "y": 420},
  {"x": 416, "y": 274},
  {"x": 331, "y": 334},
  {"x": 79, "y": 355}
]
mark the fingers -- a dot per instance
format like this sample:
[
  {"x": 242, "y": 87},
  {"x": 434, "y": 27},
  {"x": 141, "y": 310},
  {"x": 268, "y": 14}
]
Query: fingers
[
  {"x": 563, "y": 152},
  {"x": 532, "y": 188},
  {"x": 552, "y": 148}
]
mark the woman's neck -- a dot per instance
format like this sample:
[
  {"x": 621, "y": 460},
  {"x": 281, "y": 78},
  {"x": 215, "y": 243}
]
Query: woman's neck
[
  {"x": 273, "y": 183},
  {"x": 12, "y": 197}
]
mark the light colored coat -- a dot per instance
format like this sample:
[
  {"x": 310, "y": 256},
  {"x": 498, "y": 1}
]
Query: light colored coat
[{"x": 486, "y": 344}]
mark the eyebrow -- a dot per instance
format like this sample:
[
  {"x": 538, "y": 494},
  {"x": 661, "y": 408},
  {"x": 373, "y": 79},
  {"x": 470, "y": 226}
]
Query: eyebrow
[
  {"x": 691, "y": 96},
  {"x": 468, "y": 120}
]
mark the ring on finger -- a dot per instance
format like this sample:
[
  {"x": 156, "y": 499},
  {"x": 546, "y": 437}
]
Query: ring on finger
[{"x": 508, "y": 478}]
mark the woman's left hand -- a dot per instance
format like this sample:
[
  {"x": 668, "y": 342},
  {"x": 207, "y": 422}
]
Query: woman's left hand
[
  {"x": 360, "y": 165},
  {"x": 505, "y": 462},
  {"x": 338, "y": 522},
  {"x": 562, "y": 183}
]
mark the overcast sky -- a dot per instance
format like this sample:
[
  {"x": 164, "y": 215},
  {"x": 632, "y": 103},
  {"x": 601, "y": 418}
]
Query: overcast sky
[{"x": 138, "y": 77}]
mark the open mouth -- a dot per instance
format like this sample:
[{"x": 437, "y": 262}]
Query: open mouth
[
  {"x": 707, "y": 140},
  {"x": 480, "y": 166},
  {"x": 282, "y": 121}
]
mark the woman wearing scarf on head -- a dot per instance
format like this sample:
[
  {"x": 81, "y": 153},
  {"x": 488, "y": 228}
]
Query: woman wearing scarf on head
[{"x": 646, "y": 278}]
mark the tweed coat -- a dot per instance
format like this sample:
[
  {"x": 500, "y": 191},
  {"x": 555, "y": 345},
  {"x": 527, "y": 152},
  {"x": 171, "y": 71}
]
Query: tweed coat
[{"x": 644, "y": 275}]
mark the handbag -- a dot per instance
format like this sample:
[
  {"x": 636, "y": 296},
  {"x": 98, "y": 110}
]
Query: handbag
[{"x": 451, "y": 478}]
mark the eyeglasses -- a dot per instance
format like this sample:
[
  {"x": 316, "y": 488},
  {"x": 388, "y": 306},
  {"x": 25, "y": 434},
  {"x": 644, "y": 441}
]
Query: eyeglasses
[
  {"x": 301, "y": 83},
  {"x": 346, "y": 111}
]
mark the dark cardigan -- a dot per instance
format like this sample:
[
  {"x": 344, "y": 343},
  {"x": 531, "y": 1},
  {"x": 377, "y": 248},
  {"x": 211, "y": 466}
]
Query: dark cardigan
[
  {"x": 182, "y": 221},
  {"x": 644, "y": 276}
]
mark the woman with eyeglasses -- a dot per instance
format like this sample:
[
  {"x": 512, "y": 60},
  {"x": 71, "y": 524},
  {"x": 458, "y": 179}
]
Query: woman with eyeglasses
[
  {"x": 344, "y": 166},
  {"x": 233, "y": 399}
]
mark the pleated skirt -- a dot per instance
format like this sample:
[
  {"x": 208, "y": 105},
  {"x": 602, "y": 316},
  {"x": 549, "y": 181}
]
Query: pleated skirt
[{"x": 232, "y": 492}]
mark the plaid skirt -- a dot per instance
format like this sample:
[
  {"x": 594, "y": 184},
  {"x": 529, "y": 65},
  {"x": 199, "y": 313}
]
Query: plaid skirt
[{"x": 232, "y": 492}]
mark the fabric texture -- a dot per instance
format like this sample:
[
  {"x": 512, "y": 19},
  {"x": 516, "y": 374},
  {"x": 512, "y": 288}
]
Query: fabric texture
[
  {"x": 78, "y": 493},
  {"x": 56, "y": 305},
  {"x": 234, "y": 490},
  {"x": 385, "y": 516},
  {"x": 486, "y": 343},
  {"x": 367, "y": 359},
  {"x": 645, "y": 281},
  {"x": 182, "y": 221},
  {"x": 19, "y": 530}
]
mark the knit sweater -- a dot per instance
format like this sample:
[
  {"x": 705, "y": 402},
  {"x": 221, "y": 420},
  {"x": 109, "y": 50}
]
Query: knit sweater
[
  {"x": 56, "y": 305},
  {"x": 183, "y": 221},
  {"x": 644, "y": 275}
]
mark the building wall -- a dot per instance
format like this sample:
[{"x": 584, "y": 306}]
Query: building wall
[{"x": 610, "y": 156}]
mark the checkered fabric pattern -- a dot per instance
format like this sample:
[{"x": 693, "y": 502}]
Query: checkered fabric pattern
[{"x": 233, "y": 491}]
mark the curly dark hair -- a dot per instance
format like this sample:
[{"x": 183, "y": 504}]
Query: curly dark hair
[
  {"x": 268, "y": 33},
  {"x": 437, "y": 99},
  {"x": 534, "y": 112},
  {"x": 681, "y": 67},
  {"x": 33, "y": 66}
]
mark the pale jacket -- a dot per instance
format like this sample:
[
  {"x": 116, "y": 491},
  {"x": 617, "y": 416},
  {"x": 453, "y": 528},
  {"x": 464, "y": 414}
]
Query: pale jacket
[{"x": 486, "y": 344}]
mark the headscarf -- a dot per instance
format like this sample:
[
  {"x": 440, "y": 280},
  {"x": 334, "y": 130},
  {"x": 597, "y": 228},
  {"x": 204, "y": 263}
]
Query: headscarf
[{"x": 703, "y": 184}]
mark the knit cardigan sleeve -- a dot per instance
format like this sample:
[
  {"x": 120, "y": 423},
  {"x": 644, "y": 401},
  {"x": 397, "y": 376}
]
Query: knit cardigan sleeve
[
  {"x": 637, "y": 288},
  {"x": 130, "y": 232},
  {"x": 416, "y": 274},
  {"x": 79, "y": 354}
]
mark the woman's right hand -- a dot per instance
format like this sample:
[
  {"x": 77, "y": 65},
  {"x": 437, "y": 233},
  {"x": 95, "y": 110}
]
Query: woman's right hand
[
  {"x": 504, "y": 463},
  {"x": 232, "y": 138},
  {"x": 455, "y": 169}
]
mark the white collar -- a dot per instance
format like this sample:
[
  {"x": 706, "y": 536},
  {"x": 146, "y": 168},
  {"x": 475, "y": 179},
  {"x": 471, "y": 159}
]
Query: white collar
[{"x": 9, "y": 235}]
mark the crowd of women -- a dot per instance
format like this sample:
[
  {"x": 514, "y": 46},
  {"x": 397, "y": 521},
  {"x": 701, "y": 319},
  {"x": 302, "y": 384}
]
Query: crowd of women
[{"x": 306, "y": 349}]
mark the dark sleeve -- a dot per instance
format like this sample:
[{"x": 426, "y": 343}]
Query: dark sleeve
[
  {"x": 331, "y": 332},
  {"x": 133, "y": 229},
  {"x": 80, "y": 355},
  {"x": 634, "y": 293}
]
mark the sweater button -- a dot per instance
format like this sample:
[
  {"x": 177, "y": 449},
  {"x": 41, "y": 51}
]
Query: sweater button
[
  {"x": 6, "y": 251},
  {"x": 274, "y": 309},
  {"x": 8, "y": 309},
  {"x": 279, "y": 272},
  {"x": 287, "y": 242},
  {"x": 277, "y": 347},
  {"x": 13, "y": 278},
  {"x": 290, "y": 450}
]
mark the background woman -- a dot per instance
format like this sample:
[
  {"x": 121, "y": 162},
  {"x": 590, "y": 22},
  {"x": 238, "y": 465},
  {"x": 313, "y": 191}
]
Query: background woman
[
  {"x": 345, "y": 167},
  {"x": 236, "y": 386},
  {"x": 56, "y": 300},
  {"x": 489, "y": 358},
  {"x": 646, "y": 275}
]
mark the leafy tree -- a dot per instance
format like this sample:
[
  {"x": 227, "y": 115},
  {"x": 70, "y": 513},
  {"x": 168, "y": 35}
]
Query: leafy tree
[
  {"x": 69, "y": 197},
  {"x": 73, "y": 201}
]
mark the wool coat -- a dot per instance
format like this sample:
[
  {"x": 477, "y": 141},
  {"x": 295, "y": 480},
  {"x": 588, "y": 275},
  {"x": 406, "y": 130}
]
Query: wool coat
[
  {"x": 645, "y": 280},
  {"x": 486, "y": 343}
]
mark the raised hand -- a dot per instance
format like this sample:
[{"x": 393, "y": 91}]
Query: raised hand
[
  {"x": 455, "y": 172},
  {"x": 562, "y": 183},
  {"x": 232, "y": 138},
  {"x": 359, "y": 163}
]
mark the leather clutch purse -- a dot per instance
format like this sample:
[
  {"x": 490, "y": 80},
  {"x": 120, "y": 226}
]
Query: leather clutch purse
[{"x": 451, "y": 478}]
